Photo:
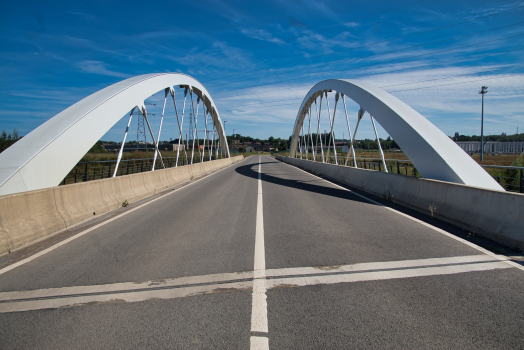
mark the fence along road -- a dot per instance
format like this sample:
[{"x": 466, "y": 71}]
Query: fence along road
[{"x": 263, "y": 255}]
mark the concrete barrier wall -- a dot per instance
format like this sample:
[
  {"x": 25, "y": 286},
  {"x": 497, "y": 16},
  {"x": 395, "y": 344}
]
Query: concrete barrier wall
[
  {"x": 31, "y": 216},
  {"x": 495, "y": 214}
]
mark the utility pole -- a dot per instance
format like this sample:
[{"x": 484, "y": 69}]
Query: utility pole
[{"x": 483, "y": 91}]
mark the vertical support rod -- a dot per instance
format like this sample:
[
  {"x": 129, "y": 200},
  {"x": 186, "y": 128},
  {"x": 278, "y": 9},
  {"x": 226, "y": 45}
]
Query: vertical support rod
[
  {"x": 379, "y": 146},
  {"x": 160, "y": 128},
  {"x": 319, "y": 110},
  {"x": 359, "y": 118},
  {"x": 352, "y": 150},
  {"x": 300, "y": 141},
  {"x": 206, "y": 135},
  {"x": 310, "y": 135},
  {"x": 217, "y": 145},
  {"x": 332, "y": 123},
  {"x": 196, "y": 128},
  {"x": 305, "y": 138},
  {"x": 180, "y": 123},
  {"x": 119, "y": 157},
  {"x": 193, "y": 110},
  {"x": 212, "y": 141},
  {"x": 144, "y": 113}
]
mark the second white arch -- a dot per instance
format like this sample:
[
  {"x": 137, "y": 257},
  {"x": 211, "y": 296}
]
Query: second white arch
[{"x": 433, "y": 153}]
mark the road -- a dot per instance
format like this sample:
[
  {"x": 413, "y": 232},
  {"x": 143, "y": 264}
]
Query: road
[{"x": 262, "y": 255}]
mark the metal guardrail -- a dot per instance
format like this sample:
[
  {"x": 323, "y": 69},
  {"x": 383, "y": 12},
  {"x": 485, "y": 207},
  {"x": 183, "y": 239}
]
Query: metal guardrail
[
  {"x": 510, "y": 183},
  {"x": 103, "y": 169}
]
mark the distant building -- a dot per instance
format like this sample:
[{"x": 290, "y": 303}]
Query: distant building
[{"x": 493, "y": 147}]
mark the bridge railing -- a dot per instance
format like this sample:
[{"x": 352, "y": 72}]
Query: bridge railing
[
  {"x": 103, "y": 169},
  {"x": 405, "y": 167}
]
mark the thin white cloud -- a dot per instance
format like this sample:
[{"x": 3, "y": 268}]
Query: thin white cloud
[
  {"x": 98, "y": 67},
  {"x": 261, "y": 34}
]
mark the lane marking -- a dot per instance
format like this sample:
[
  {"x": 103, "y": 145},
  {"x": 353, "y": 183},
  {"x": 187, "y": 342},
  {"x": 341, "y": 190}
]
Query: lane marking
[
  {"x": 259, "y": 301},
  {"x": 126, "y": 286},
  {"x": 384, "y": 275},
  {"x": 472, "y": 245},
  {"x": 232, "y": 282},
  {"x": 236, "y": 277},
  {"x": 78, "y": 235},
  {"x": 131, "y": 297},
  {"x": 387, "y": 265}
]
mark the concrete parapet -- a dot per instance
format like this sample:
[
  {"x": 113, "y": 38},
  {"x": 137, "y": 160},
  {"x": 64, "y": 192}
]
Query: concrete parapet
[
  {"x": 28, "y": 217},
  {"x": 494, "y": 214}
]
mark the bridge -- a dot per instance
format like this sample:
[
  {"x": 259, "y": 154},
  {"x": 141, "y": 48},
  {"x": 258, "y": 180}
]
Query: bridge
[{"x": 301, "y": 251}]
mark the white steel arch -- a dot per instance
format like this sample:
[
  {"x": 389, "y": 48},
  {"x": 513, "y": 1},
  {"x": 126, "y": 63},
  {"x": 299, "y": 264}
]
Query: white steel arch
[
  {"x": 433, "y": 153},
  {"x": 45, "y": 156}
]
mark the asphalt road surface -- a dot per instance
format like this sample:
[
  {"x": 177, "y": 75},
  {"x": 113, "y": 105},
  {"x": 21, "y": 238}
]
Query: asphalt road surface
[{"x": 262, "y": 255}]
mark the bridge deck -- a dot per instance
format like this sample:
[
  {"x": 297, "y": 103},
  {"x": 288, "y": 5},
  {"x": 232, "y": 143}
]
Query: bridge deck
[{"x": 340, "y": 271}]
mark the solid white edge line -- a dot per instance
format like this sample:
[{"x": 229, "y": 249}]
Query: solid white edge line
[
  {"x": 78, "y": 235},
  {"x": 472, "y": 245}
]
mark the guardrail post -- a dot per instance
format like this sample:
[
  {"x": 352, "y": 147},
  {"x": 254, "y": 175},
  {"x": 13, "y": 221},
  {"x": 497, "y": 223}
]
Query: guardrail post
[
  {"x": 85, "y": 174},
  {"x": 109, "y": 171},
  {"x": 365, "y": 164},
  {"x": 379, "y": 167},
  {"x": 398, "y": 168},
  {"x": 521, "y": 182},
  {"x": 76, "y": 171}
]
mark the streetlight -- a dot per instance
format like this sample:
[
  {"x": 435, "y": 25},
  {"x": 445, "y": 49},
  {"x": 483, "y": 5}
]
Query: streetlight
[{"x": 483, "y": 91}]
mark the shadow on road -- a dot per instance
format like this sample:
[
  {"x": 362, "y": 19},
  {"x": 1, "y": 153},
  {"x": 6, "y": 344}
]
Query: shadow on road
[{"x": 250, "y": 170}]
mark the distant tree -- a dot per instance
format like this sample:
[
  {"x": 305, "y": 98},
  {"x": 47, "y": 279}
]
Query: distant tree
[
  {"x": 7, "y": 140},
  {"x": 511, "y": 176},
  {"x": 98, "y": 148}
]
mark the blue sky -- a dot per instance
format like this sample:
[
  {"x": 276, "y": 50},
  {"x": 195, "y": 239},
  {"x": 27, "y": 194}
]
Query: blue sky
[{"x": 259, "y": 59}]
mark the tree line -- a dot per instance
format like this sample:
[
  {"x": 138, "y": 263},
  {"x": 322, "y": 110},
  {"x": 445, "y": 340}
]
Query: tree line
[
  {"x": 500, "y": 138},
  {"x": 7, "y": 140}
]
